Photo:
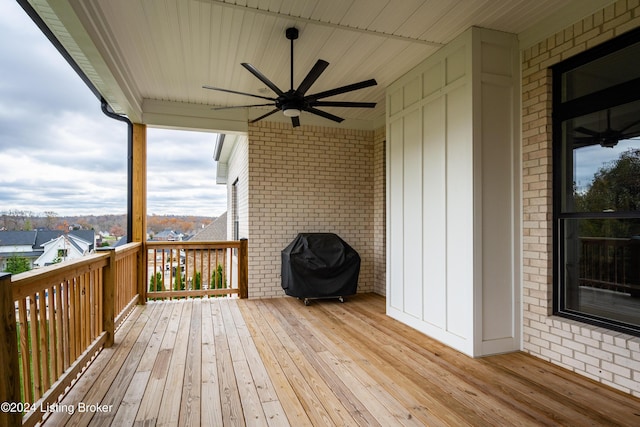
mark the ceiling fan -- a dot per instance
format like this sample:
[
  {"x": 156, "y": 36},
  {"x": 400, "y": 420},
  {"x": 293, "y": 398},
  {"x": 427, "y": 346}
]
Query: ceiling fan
[
  {"x": 294, "y": 101},
  {"x": 607, "y": 138}
]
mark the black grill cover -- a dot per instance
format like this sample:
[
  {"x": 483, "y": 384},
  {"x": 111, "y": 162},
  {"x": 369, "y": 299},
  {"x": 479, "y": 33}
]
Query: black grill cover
[{"x": 317, "y": 265}]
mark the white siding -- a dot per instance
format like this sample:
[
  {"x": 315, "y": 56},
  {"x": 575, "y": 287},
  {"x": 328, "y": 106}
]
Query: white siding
[{"x": 452, "y": 195}]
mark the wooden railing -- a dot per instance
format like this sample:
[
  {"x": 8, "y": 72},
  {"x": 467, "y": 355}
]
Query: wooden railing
[
  {"x": 126, "y": 294},
  {"x": 196, "y": 269},
  {"x": 59, "y": 317},
  {"x": 610, "y": 263}
]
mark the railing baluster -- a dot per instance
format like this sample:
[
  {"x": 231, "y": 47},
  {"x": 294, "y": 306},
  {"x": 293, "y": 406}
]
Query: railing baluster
[
  {"x": 33, "y": 344},
  {"x": 59, "y": 331},
  {"x": 25, "y": 352},
  {"x": 108, "y": 299},
  {"x": 66, "y": 323},
  {"x": 51, "y": 324},
  {"x": 86, "y": 293},
  {"x": 73, "y": 314},
  {"x": 42, "y": 341}
]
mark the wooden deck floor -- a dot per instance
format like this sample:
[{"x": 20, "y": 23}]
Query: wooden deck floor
[{"x": 277, "y": 362}]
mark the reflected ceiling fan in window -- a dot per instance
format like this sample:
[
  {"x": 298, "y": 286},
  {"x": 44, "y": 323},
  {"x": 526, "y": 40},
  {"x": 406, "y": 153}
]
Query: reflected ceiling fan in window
[
  {"x": 607, "y": 138},
  {"x": 294, "y": 101}
]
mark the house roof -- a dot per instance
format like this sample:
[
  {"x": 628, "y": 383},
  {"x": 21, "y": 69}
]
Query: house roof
[
  {"x": 149, "y": 60},
  {"x": 17, "y": 238},
  {"x": 214, "y": 232},
  {"x": 37, "y": 238},
  {"x": 72, "y": 241},
  {"x": 121, "y": 242}
]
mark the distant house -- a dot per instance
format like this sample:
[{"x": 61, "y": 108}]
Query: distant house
[
  {"x": 63, "y": 248},
  {"x": 167, "y": 236},
  {"x": 42, "y": 247}
]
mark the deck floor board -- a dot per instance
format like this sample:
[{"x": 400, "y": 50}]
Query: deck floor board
[{"x": 277, "y": 362}]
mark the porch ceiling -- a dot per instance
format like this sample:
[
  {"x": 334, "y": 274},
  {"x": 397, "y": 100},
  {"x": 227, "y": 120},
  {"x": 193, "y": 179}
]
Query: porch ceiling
[{"x": 149, "y": 59}]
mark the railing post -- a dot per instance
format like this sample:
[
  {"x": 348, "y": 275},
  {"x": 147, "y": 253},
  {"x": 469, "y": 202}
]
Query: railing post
[
  {"x": 243, "y": 268},
  {"x": 9, "y": 371},
  {"x": 109, "y": 297}
]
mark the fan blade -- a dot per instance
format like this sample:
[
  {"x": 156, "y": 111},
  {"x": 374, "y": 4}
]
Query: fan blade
[
  {"x": 342, "y": 104},
  {"x": 295, "y": 121},
  {"x": 241, "y": 106},
  {"x": 584, "y": 142},
  {"x": 343, "y": 89},
  {"x": 265, "y": 115},
  {"x": 629, "y": 126},
  {"x": 577, "y": 145},
  {"x": 586, "y": 131},
  {"x": 324, "y": 114},
  {"x": 238, "y": 93},
  {"x": 311, "y": 78},
  {"x": 253, "y": 70}
]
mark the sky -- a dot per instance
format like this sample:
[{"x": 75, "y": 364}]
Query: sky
[{"x": 59, "y": 152}]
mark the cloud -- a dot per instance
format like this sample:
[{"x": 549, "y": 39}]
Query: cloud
[
  {"x": 60, "y": 153},
  {"x": 181, "y": 173}
]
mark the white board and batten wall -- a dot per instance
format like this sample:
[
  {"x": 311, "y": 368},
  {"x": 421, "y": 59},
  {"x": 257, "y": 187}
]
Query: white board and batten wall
[{"x": 453, "y": 195}]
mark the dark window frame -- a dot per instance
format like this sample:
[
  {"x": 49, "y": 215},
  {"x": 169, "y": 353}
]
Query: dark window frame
[{"x": 562, "y": 111}]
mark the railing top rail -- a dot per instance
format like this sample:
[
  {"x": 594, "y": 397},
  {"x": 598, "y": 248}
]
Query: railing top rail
[
  {"x": 194, "y": 245},
  {"x": 29, "y": 282},
  {"x": 126, "y": 250}
]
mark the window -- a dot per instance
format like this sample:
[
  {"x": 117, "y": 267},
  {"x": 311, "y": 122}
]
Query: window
[
  {"x": 596, "y": 158},
  {"x": 234, "y": 211}
]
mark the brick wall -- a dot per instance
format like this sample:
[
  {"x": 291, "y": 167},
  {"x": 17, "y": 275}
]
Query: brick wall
[
  {"x": 609, "y": 357},
  {"x": 308, "y": 179}
]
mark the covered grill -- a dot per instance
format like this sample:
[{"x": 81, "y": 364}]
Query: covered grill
[{"x": 319, "y": 265}]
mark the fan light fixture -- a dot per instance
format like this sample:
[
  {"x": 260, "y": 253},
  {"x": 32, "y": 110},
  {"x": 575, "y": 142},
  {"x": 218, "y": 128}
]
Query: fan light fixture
[{"x": 291, "y": 112}]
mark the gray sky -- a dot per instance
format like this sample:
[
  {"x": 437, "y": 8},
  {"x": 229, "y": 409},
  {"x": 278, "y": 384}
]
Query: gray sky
[{"x": 60, "y": 153}]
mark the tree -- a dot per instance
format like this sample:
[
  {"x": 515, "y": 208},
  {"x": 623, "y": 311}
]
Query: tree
[
  {"x": 217, "y": 279},
  {"x": 178, "y": 282},
  {"x": 117, "y": 231},
  {"x": 155, "y": 284},
  {"x": 17, "y": 264},
  {"x": 615, "y": 188},
  {"x": 51, "y": 219},
  {"x": 197, "y": 281},
  {"x": 17, "y": 220}
]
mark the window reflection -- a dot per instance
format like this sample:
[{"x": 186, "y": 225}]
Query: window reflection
[
  {"x": 601, "y": 273},
  {"x": 603, "y": 73},
  {"x": 602, "y": 152}
]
